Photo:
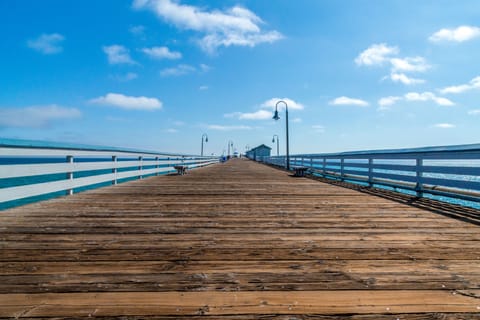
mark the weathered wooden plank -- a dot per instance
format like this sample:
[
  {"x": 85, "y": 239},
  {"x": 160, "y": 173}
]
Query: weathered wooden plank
[{"x": 219, "y": 303}]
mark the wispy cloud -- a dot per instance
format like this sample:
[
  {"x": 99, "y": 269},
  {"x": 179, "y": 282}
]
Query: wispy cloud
[
  {"x": 346, "y": 101},
  {"x": 47, "y": 43},
  {"x": 376, "y": 54},
  {"x": 236, "y": 26},
  {"x": 386, "y": 102},
  {"x": 318, "y": 128},
  {"x": 473, "y": 84},
  {"x": 117, "y": 54},
  {"x": 459, "y": 34},
  {"x": 125, "y": 77},
  {"x": 474, "y": 112},
  {"x": 203, "y": 88},
  {"x": 258, "y": 115},
  {"x": 403, "y": 78},
  {"x": 292, "y": 104},
  {"x": 205, "y": 67},
  {"x": 179, "y": 70},
  {"x": 265, "y": 111},
  {"x": 36, "y": 116},
  {"x": 409, "y": 64},
  {"x": 128, "y": 102},
  {"x": 227, "y": 128},
  {"x": 444, "y": 126},
  {"x": 138, "y": 30},
  {"x": 171, "y": 130},
  {"x": 428, "y": 96},
  {"x": 162, "y": 53}
]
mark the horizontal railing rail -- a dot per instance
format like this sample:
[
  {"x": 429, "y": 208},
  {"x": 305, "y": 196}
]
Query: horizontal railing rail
[
  {"x": 28, "y": 170},
  {"x": 452, "y": 171}
]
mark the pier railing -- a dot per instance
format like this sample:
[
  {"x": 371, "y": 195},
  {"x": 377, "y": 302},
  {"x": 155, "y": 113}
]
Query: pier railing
[
  {"x": 29, "y": 170},
  {"x": 452, "y": 172}
]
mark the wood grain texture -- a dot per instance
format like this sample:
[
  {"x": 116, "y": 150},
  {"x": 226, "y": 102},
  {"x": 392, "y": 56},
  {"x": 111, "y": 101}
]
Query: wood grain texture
[{"x": 239, "y": 240}]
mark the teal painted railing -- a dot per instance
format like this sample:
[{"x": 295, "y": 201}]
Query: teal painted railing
[
  {"x": 451, "y": 171},
  {"x": 31, "y": 168}
]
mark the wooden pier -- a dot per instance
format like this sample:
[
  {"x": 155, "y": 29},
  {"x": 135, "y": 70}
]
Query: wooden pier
[{"x": 237, "y": 240}]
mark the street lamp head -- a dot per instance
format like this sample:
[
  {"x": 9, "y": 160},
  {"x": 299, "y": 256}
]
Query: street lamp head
[
  {"x": 273, "y": 140},
  {"x": 206, "y": 139},
  {"x": 275, "y": 115}
]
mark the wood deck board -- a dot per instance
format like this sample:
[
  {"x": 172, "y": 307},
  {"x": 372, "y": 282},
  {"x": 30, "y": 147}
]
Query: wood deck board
[{"x": 236, "y": 241}]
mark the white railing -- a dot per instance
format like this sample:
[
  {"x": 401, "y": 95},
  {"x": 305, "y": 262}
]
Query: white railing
[
  {"x": 452, "y": 171},
  {"x": 34, "y": 169}
]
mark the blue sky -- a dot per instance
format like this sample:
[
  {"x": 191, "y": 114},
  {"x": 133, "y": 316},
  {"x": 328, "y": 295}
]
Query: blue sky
[{"x": 157, "y": 74}]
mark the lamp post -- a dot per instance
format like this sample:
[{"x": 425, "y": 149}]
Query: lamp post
[
  {"x": 204, "y": 138},
  {"x": 230, "y": 143},
  {"x": 276, "y": 117},
  {"x": 273, "y": 141}
]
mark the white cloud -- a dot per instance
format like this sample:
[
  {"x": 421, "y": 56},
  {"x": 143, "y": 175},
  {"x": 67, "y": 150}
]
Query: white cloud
[
  {"x": 428, "y": 96},
  {"x": 474, "y": 112},
  {"x": 376, "y": 54},
  {"x": 297, "y": 120},
  {"x": 380, "y": 54},
  {"x": 179, "y": 70},
  {"x": 227, "y": 128},
  {"x": 388, "y": 101},
  {"x": 212, "y": 41},
  {"x": 318, "y": 128},
  {"x": 292, "y": 105},
  {"x": 205, "y": 67},
  {"x": 203, "y": 88},
  {"x": 459, "y": 34},
  {"x": 36, "y": 116},
  {"x": 125, "y": 77},
  {"x": 162, "y": 53},
  {"x": 236, "y": 26},
  {"x": 473, "y": 84},
  {"x": 171, "y": 130},
  {"x": 403, "y": 78},
  {"x": 444, "y": 125},
  {"x": 344, "y": 101},
  {"x": 409, "y": 64},
  {"x": 258, "y": 115},
  {"x": 47, "y": 43},
  {"x": 117, "y": 54},
  {"x": 137, "y": 30},
  {"x": 128, "y": 103}
]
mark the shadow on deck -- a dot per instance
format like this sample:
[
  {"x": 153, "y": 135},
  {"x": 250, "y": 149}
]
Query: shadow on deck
[{"x": 239, "y": 240}]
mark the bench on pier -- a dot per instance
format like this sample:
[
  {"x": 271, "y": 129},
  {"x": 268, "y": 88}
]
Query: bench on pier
[
  {"x": 299, "y": 171},
  {"x": 181, "y": 170}
]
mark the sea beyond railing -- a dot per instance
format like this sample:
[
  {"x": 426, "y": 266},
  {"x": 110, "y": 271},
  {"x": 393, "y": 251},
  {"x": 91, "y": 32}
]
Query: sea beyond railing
[
  {"x": 447, "y": 173},
  {"x": 31, "y": 171}
]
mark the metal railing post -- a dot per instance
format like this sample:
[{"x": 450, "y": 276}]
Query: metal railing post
[
  {"x": 342, "y": 168},
  {"x": 370, "y": 172},
  {"x": 157, "y": 166},
  {"x": 419, "y": 175},
  {"x": 114, "y": 170},
  {"x": 324, "y": 166},
  {"x": 140, "y": 168},
  {"x": 70, "y": 175}
]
